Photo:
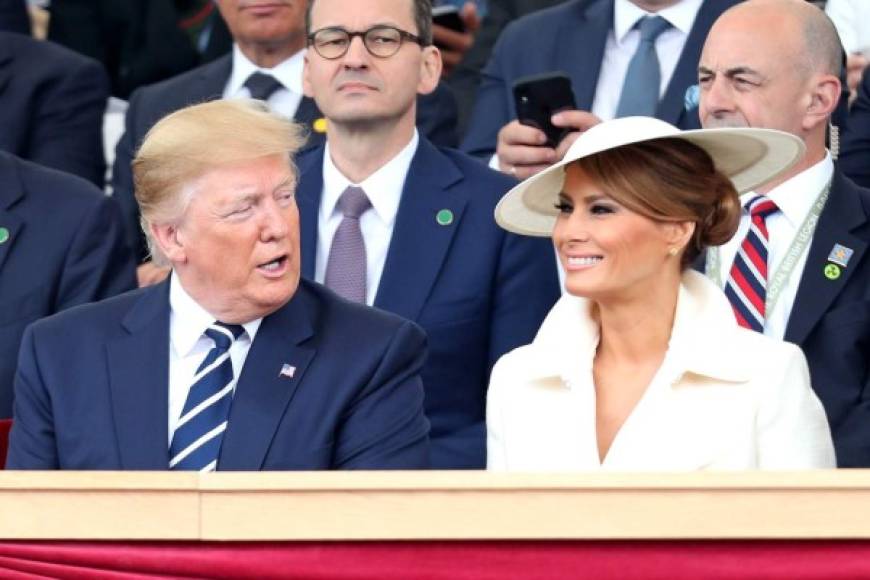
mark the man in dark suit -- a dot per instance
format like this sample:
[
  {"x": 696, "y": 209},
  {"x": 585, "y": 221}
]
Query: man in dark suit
[
  {"x": 594, "y": 42},
  {"x": 270, "y": 39},
  {"x": 233, "y": 363},
  {"x": 422, "y": 241},
  {"x": 61, "y": 244},
  {"x": 855, "y": 148},
  {"x": 51, "y": 106},
  {"x": 776, "y": 64}
]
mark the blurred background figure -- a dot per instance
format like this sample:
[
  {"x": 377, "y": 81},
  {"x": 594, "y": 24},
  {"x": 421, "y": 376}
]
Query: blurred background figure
[
  {"x": 852, "y": 20},
  {"x": 51, "y": 106}
]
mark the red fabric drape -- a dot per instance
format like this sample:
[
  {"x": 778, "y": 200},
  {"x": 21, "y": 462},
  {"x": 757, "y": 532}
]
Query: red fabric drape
[{"x": 458, "y": 560}]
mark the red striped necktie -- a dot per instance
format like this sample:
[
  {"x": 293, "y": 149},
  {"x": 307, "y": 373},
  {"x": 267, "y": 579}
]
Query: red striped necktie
[{"x": 747, "y": 282}]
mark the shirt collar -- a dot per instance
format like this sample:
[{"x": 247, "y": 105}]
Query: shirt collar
[
  {"x": 566, "y": 342},
  {"x": 383, "y": 187},
  {"x": 796, "y": 196},
  {"x": 188, "y": 320},
  {"x": 626, "y": 14},
  {"x": 287, "y": 72}
]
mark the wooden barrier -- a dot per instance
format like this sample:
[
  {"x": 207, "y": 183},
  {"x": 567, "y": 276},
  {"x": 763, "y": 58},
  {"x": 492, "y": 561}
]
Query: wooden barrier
[{"x": 433, "y": 505}]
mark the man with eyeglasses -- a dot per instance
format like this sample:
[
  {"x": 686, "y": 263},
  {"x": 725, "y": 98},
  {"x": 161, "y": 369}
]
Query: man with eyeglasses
[
  {"x": 391, "y": 220},
  {"x": 265, "y": 63}
]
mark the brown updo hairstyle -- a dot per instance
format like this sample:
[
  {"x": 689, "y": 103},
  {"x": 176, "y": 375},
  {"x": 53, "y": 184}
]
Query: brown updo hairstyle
[{"x": 670, "y": 180}]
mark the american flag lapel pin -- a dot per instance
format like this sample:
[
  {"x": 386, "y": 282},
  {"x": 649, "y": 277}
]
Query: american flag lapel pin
[{"x": 287, "y": 371}]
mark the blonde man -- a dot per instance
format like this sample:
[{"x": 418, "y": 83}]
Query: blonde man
[{"x": 232, "y": 363}]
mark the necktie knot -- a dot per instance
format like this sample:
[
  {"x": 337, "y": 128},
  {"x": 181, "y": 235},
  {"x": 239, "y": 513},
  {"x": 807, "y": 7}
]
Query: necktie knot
[
  {"x": 760, "y": 207},
  {"x": 651, "y": 27},
  {"x": 223, "y": 335},
  {"x": 261, "y": 85},
  {"x": 353, "y": 202}
]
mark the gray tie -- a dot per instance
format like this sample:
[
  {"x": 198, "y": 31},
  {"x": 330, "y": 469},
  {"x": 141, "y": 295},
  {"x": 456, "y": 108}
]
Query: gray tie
[
  {"x": 640, "y": 91},
  {"x": 261, "y": 86},
  {"x": 346, "y": 267}
]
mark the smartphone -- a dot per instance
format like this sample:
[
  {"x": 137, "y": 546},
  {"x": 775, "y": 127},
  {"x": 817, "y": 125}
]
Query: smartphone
[
  {"x": 448, "y": 17},
  {"x": 539, "y": 97}
]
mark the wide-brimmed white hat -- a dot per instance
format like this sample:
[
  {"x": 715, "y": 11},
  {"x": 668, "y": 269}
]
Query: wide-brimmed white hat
[{"x": 748, "y": 156}]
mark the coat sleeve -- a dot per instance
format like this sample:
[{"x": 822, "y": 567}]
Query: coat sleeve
[
  {"x": 385, "y": 427},
  {"x": 793, "y": 430}
]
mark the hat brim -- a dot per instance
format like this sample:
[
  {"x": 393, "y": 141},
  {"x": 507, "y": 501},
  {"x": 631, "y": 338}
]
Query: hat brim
[{"x": 749, "y": 157}]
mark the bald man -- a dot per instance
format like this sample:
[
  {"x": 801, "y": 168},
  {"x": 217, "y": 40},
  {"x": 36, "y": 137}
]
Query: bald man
[{"x": 775, "y": 64}]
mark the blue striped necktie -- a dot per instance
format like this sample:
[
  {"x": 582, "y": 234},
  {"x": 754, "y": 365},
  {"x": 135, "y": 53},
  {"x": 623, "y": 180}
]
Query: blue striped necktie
[{"x": 196, "y": 442}]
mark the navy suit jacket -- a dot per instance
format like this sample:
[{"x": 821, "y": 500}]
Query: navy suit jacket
[
  {"x": 830, "y": 320},
  {"x": 571, "y": 38},
  {"x": 855, "y": 146},
  {"x": 436, "y": 117},
  {"x": 51, "y": 106},
  {"x": 65, "y": 246},
  {"x": 91, "y": 389},
  {"x": 476, "y": 290}
]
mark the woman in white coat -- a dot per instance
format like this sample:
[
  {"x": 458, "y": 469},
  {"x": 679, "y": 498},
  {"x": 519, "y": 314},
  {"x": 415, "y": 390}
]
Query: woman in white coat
[{"x": 641, "y": 366}]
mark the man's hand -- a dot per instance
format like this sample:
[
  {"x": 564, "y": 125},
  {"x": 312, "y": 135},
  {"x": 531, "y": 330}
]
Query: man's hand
[
  {"x": 454, "y": 44},
  {"x": 522, "y": 150},
  {"x": 148, "y": 274}
]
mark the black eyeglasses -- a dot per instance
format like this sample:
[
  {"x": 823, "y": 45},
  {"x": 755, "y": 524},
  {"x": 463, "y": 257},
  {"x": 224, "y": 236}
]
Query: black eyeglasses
[{"x": 380, "y": 41}]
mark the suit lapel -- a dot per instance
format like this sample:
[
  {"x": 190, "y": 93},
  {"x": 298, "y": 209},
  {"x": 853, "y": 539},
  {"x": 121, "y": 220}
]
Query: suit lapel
[
  {"x": 581, "y": 49},
  {"x": 263, "y": 390},
  {"x": 843, "y": 213},
  {"x": 420, "y": 243},
  {"x": 139, "y": 382},
  {"x": 212, "y": 80},
  {"x": 308, "y": 195},
  {"x": 11, "y": 191}
]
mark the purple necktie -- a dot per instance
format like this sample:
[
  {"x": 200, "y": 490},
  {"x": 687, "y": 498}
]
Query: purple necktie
[{"x": 346, "y": 267}]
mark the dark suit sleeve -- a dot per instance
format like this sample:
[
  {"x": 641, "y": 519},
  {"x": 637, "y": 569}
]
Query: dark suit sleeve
[
  {"x": 527, "y": 287},
  {"x": 385, "y": 428},
  {"x": 68, "y": 132},
  {"x": 122, "y": 178},
  {"x": 99, "y": 263},
  {"x": 32, "y": 443},
  {"x": 492, "y": 110},
  {"x": 855, "y": 156}
]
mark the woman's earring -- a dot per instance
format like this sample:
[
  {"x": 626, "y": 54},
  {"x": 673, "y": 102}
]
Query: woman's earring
[{"x": 672, "y": 251}]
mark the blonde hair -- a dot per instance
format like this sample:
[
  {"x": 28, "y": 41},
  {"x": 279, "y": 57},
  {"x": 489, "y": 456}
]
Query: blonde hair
[
  {"x": 670, "y": 180},
  {"x": 186, "y": 144}
]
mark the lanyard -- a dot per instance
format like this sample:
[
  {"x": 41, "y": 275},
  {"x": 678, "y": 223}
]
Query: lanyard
[{"x": 796, "y": 249}]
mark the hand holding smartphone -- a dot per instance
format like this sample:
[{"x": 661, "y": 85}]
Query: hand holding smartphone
[{"x": 537, "y": 98}]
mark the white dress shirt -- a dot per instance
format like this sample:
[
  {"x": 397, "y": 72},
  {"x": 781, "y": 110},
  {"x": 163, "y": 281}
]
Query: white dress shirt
[
  {"x": 384, "y": 190},
  {"x": 795, "y": 199},
  {"x": 289, "y": 73},
  {"x": 724, "y": 398},
  {"x": 188, "y": 346},
  {"x": 623, "y": 40}
]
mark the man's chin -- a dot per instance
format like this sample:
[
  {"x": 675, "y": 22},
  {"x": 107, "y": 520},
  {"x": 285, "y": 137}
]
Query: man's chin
[{"x": 724, "y": 123}]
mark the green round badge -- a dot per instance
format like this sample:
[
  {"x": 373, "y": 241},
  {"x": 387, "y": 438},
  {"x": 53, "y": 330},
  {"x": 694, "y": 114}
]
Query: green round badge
[
  {"x": 832, "y": 271},
  {"x": 444, "y": 217},
  {"x": 4, "y": 235}
]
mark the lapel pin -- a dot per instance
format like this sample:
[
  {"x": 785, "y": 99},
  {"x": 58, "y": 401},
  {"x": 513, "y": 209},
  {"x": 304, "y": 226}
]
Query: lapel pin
[
  {"x": 4, "y": 235},
  {"x": 444, "y": 217},
  {"x": 832, "y": 271},
  {"x": 319, "y": 125},
  {"x": 840, "y": 255},
  {"x": 287, "y": 371}
]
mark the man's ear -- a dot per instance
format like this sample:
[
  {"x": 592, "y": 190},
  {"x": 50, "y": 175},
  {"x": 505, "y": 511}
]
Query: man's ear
[
  {"x": 306, "y": 82},
  {"x": 167, "y": 239},
  {"x": 824, "y": 97},
  {"x": 430, "y": 70}
]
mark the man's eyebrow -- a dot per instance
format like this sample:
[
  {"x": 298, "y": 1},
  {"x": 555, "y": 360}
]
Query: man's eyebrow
[{"x": 734, "y": 71}]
